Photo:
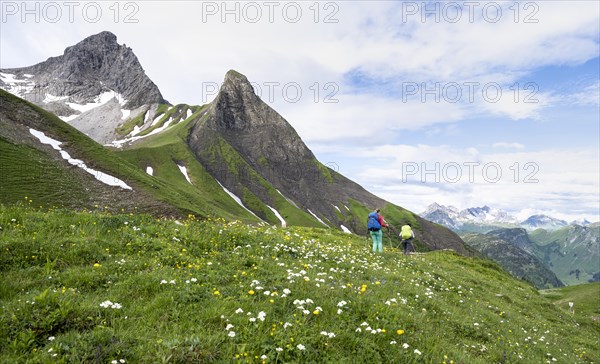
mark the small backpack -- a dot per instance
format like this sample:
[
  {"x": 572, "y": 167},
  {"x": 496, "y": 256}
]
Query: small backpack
[
  {"x": 373, "y": 223},
  {"x": 406, "y": 232}
]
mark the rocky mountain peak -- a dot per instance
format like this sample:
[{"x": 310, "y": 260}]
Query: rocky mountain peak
[
  {"x": 102, "y": 42},
  {"x": 252, "y": 126},
  {"x": 97, "y": 65},
  {"x": 543, "y": 222},
  {"x": 237, "y": 107},
  {"x": 236, "y": 77}
]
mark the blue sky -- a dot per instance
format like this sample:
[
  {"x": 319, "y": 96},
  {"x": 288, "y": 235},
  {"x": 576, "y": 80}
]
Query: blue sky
[{"x": 369, "y": 56}]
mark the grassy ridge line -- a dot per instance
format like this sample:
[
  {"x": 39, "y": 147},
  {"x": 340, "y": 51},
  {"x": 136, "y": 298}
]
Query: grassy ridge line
[{"x": 211, "y": 291}]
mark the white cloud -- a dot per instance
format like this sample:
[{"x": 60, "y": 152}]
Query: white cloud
[
  {"x": 546, "y": 180},
  {"x": 589, "y": 95},
  {"x": 368, "y": 36},
  {"x": 509, "y": 145}
]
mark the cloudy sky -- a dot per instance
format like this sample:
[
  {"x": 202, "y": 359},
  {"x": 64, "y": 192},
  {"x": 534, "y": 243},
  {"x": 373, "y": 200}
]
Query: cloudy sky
[{"x": 462, "y": 103}]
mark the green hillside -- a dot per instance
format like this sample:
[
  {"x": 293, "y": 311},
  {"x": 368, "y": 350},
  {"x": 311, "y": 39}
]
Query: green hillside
[
  {"x": 585, "y": 298},
  {"x": 573, "y": 252},
  {"x": 164, "y": 151},
  {"x": 98, "y": 287},
  {"x": 515, "y": 260},
  {"x": 35, "y": 172}
]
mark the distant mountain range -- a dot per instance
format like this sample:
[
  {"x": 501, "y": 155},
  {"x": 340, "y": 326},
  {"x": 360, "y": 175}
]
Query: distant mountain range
[
  {"x": 540, "y": 249},
  {"x": 484, "y": 219},
  {"x": 517, "y": 261},
  {"x": 571, "y": 253}
]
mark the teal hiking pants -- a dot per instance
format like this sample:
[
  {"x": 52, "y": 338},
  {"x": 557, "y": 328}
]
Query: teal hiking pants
[{"x": 377, "y": 237}]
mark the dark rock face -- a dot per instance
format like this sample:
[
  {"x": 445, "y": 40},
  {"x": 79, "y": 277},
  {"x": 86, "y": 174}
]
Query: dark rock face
[
  {"x": 254, "y": 127},
  {"x": 517, "y": 237},
  {"x": 95, "y": 65}
]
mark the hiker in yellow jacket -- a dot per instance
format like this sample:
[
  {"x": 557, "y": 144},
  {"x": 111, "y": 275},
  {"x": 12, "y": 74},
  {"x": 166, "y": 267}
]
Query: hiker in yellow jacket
[{"x": 407, "y": 235}]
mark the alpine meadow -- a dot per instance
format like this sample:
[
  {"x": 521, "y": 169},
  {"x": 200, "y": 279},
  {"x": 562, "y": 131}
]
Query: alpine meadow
[{"x": 227, "y": 201}]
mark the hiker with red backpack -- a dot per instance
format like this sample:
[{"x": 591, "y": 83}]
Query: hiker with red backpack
[{"x": 374, "y": 224}]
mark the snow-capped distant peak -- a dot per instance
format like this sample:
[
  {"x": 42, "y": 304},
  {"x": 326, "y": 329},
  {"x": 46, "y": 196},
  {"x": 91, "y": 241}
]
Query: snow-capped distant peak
[
  {"x": 487, "y": 214},
  {"x": 450, "y": 210},
  {"x": 543, "y": 222},
  {"x": 581, "y": 222},
  {"x": 455, "y": 219}
]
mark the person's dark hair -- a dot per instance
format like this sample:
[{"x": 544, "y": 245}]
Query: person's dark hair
[{"x": 377, "y": 210}]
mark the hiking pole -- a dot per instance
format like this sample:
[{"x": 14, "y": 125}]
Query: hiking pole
[
  {"x": 389, "y": 238},
  {"x": 394, "y": 231}
]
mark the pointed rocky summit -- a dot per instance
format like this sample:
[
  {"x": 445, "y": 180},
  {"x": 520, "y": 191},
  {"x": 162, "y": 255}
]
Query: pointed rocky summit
[{"x": 96, "y": 65}]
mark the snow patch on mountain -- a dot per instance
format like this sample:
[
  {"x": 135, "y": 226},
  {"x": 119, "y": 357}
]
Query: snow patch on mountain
[
  {"x": 287, "y": 199},
  {"x": 183, "y": 170},
  {"x": 133, "y": 136},
  {"x": 345, "y": 229},
  {"x": 237, "y": 199},
  {"x": 51, "y": 98},
  {"x": 157, "y": 119},
  {"x": 68, "y": 119},
  {"x": 101, "y": 99},
  {"x": 17, "y": 87},
  {"x": 125, "y": 113},
  {"x": 316, "y": 217},
  {"x": 100, "y": 176},
  {"x": 283, "y": 223}
]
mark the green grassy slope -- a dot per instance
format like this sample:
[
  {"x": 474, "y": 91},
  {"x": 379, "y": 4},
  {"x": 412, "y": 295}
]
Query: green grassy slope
[
  {"x": 585, "y": 298},
  {"x": 162, "y": 151},
  {"x": 29, "y": 174},
  {"x": 30, "y": 169},
  {"x": 211, "y": 291},
  {"x": 518, "y": 262},
  {"x": 573, "y": 252}
]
